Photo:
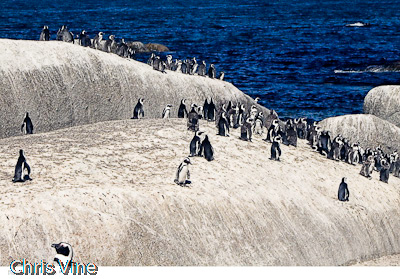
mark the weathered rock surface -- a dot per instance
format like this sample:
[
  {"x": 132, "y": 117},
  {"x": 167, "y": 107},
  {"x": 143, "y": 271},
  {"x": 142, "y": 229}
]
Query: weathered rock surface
[
  {"x": 63, "y": 85},
  {"x": 368, "y": 129},
  {"x": 384, "y": 102},
  {"x": 108, "y": 190}
]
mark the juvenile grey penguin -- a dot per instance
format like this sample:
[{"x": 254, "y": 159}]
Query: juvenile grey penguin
[
  {"x": 28, "y": 123},
  {"x": 343, "y": 192},
  {"x": 138, "y": 111},
  {"x": 45, "y": 34},
  {"x": 193, "y": 119},
  {"x": 20, "y": 167},
  {"x": 182, "y": 111},
  {"x": 195, "y": 144},
  {"x": 223, "y": 125},
  {"x": 167, "y": 111},
  {"x": 64, "y": 253},
  {"x": 207, "y": 149},
  {"x": 183, "y": 174},
  {"x": 276, "y": 148}
]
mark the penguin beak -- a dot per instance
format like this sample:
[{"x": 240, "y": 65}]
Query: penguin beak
[{"x": 54, "y": 245}]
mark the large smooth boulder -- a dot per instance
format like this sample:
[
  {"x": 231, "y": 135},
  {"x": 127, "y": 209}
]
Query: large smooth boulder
[
  {"x": 369, "y": 130},
  {"x": 384, "y": 102},
  {"x": 63, "y": 85}
]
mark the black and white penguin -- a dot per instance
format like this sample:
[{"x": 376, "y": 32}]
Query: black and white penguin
[
  {"x": 221, "y": 75},
  {"x": 64, "y": 253},
  {"x": 84, "y": 39},
  {"x": 167, "y": 111},
  {"x": 233, "y": 115},
  {"x": 245, "y": 129},
  {"x": 206, "y": 149},
  {"x": 353, "y": 157},
  {"x": 138, "y": 111},
  {"x": 205, "y": 109},
  {"x": 223, "y": 125},
  {"x": 182, "y": 173},
  {"x": 184, "y": 67},
  {"x": 64, "y": 35},
  {"x": 343, "y": 192},
  {"x": 193, "y": 119},
  {"x": 301, "y": 128},
  {"x": 291, "y": 133},
  {"x": 193, "y": 66},
  {"x": 324, "y": 143},
  {"x": 273, "y": 130},
  {"x": 182, "y": 111},
  {"x": 98, "y": 41},
  {"x": 28, "y": 123},
  {"x": 367, "y": 167},
  {"x": 211, "y": 111},
  {"x": 150, "y": 61},
  {"x": 212, "y": 72},
  {"x": 344, "y": 152},
  {"x": 384, "y": 171},
  {"x": 195, "y": 144},
  {"x": 45, "y": 34},
  {"x": 123, "y": 49},
  {"x": 259, "y": 124},
  {"x": 337, "y": 144},
  {"x": 20, "y": 167},
  {"x": 202, "y": 69},
  {"x": 168, "y": 62},
  {"x": 200, "y": 112},
  {"x": 242, "y": 114},
  {"x": 276, "y": 148},
  {"x": 257, "y": 99}
]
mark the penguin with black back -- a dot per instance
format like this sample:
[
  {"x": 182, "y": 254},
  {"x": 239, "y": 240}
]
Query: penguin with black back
[{"x": 20, "y": 167}]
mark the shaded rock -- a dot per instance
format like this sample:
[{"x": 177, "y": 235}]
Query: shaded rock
[
  {"x": 384, "y": 102},
  {"x": 156, "y": 47},
  {"x": 138, "y": 47},
  {"x": 368, "y": 129},
  {"x": 63, "y": 85}
]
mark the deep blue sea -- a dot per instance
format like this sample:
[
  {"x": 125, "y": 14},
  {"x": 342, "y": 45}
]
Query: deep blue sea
[{"x": 297, "y": 55}]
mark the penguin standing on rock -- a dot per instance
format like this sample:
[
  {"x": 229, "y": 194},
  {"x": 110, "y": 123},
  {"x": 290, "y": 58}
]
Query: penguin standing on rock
[
  {"x": 28, "y": 123},
  {"x": 245, "y": 129},
  {"x": 167, "y": 111},
  {"x": 212, "y": 72},
  {"x": 195, "y": 144},
  {"x": 182, "y": 111},
  {"x": 276, "y": 148},
  {"x": 223, "y": 125},
  {"x": 207, "y": 149},
  {"x": 45, "y": 34},
  {"x": 64, "y": 253},
  {"x": 343, "y": 193},
  {"x": 211, "y": 111},
  {"x": 384, "y": 171},
  {"x": 20, "y": 168},
  {"x": 205, "y": 109},
  {"x": 183, "y": 174},
  {"x": 138, "y": 111}
]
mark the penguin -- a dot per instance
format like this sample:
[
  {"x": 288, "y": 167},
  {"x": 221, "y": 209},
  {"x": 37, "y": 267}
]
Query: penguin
[
  {"x": 353, "y": 157},
  {"x": 193, "y": 119},
  {"x": 28, "y": 123},
  {"x": 168, "y": 62},
  {"x": 195, "y": 144},
  {"x": 64, "y": 253},
  {"x": 344, "y": 152},
  {"x": 167, "y": 111},
  {"x": 205, "y": 109},
  {"x": 343, "y": 192},
  {"x": 276, "y": 148},
  {"x": 182, "y": 111},
  {"x": 223, "y": 125},
  {"x": 337, "y": 145},
  {"x": 66, "y": 36},
  {"x": 245, "y": 130},
  {"x": 59, "y": 36},
  {"x": 270, "y": 118},
  {"x": 253, "y": 112},
  {"x": 211, "y": 111},
  {"x": 84, "y": 39},
  {"x": 20, "y": 167},
  {"x": 138, "y": 111},
  {"x": 45, "y": 34},
  {"x": 367, "y": 167},
  {"x": 257, "y": 99},
  {"x": 179, "y": 67},
  {"x": 259, "y": 124},
  {"x": 324, "y": 143},
  {"x": 97, "y": 41},
  {"x": 200, "y": 112},
  {"x": 221, "y": 75},
  {"x": 384, "y": 171},
  {"x": 273, "y": 130},
  {"x": 291, "y": 133},
  {"x": 202, "y": 69},
  {"x": 211, "y": 71},
  {"x": 301, "y": 128},
  {"x": 156, "y": 63},
  {"x": 182, "y": 173},
  {"x": 150, "y": 62},
  {"x": 123, "y": 50},
  {"x": 193, "y": 66},
  {"x": 184, "y": 67},
  {"x": 207, "y": 149},
  {"x": 233, "y": 115},
  {"x": 241, "y": 116}
]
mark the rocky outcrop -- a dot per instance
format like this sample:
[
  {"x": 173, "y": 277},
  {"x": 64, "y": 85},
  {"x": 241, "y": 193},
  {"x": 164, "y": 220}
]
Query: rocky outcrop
[
  {"x": 384, "y": 102},
  {"x": 369, "y": 130},
  {"x": 63, "y": 85}
]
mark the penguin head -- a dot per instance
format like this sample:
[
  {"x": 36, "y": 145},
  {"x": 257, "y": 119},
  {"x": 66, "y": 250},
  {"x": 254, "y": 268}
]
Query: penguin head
[
  {"x": 344, "y": 179},
  {"x": 223, "y": 107},
  {"x": 203, "y": 62},
  {"x": 21, "y": 152},
  {"x": 242, "y": 107},
  {"x": 141, "y": 100},
  {"x": 123, "y": 40},
  {"x": 193, "y": 106},
  {"x": 169, "y": 106},
  {"x": 260, "y": 114},
  {"x": 187, "y": 160},
  {"x": 275, "y": 122},
  {"x": 257, "y": 99},
  {"x": 112, "y": 37},
  {"x": 183, "y": 101},
  {"x": 64, "y": 252},
  {"x": 200, "y": 108}
]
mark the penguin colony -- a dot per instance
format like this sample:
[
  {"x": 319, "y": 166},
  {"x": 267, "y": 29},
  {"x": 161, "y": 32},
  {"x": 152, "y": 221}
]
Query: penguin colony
[
  {"x": 121, "y": 48},
  {"x": 229, "y": 116}
]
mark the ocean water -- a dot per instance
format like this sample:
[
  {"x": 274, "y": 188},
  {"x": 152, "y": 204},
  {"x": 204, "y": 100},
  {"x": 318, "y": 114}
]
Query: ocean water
[{"x": 298, "y": 56}]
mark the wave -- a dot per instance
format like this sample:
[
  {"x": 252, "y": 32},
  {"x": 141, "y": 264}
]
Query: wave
[
  {"x": 358, "y": 24},
  {"x": 370, "y": 69}
]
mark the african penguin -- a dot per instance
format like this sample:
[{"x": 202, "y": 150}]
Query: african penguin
[
  {"x": 182, "y": 111},
  {"x": 167, "y": 111},
  {"x": 193, "y": 119},
  {"x": 182, "y": 173},
  {"x": 211, "y": 71},
  {"x": 195, "y": 143},
  {"x": 223, "y": 125},
  {"x": 276, "y": 148},
  {"x": 29, "y": 126},
  {"x": 343, "y": 192},
  {"x": 64, "y": 253},
  {"x": 20, "y": 167},
  {"x": 45, "y": 34},
  {"x": 138, "y": 111},
  {"x": 211, "y": 111},
  {"x": 207, "y": 149},
  {"x": 245, "y": 130}
]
